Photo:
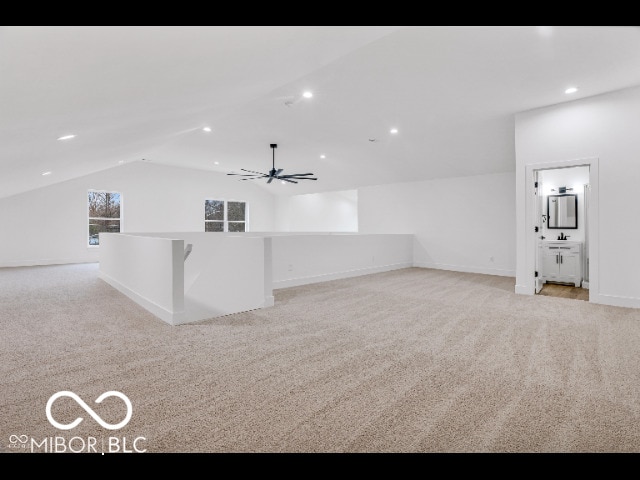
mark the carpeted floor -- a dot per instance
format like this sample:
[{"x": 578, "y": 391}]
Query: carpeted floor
[{"x": 404, "y": 361}]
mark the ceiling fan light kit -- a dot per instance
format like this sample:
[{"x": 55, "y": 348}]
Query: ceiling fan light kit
[{"x": 273, "y": 173}]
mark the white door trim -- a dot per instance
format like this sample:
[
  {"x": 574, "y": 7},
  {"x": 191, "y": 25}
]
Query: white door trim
[
  {"x": 594, "y": 225},
  {"x": 537, "y": 281}
]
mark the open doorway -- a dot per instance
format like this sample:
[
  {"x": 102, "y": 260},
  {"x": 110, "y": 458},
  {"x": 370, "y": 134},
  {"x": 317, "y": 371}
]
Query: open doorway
[{"x": 561, "y": 219}]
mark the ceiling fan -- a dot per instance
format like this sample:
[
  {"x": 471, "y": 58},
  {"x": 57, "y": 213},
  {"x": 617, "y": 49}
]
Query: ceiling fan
[{"x": 273, "y": 173}]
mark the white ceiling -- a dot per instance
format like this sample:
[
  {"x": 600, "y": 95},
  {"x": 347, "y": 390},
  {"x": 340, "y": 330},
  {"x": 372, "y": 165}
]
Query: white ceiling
[{"x": 146, "y": 92}]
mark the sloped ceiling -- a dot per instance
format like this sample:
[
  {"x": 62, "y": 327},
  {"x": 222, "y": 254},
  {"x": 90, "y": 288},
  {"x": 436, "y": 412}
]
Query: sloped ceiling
[{"x": 129, "y": 93}]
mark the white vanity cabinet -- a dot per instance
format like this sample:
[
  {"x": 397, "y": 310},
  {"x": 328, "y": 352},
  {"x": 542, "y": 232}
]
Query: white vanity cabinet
[{"x": 561, "y": 262}]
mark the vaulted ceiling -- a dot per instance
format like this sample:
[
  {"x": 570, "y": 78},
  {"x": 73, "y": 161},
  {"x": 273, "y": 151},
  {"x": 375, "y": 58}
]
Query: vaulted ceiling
[{"x": 129, "y": 93}]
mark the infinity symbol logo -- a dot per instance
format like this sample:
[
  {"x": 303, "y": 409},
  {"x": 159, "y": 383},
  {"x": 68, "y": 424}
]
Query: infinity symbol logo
[
  {"x": 87, "y": 408},
  {"x": 16, "y": 438}
]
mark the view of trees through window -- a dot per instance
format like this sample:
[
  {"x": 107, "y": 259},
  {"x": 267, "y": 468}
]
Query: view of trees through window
[
  {"x": 223, "y": 216},
  {"x": 104, "y": 214}
]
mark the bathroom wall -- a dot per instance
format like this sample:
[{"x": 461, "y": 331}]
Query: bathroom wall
[{"x": 574, "y": 178}]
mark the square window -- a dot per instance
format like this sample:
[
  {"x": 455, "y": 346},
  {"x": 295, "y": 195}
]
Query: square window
[
  {"x": 214, "y": 210},
  {"x": 214, "y": 226},
  {"x": 236, "y": 226}
]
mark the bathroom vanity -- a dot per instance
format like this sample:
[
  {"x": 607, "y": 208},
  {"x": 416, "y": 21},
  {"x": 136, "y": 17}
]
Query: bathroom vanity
[{"x": 561, "y": 262}]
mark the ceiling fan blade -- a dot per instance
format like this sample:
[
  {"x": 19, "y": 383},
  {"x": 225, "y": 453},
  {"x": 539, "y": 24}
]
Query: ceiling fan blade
[
  {"x": 251, "y": 171},
  {"x": 273, "y": 173}
]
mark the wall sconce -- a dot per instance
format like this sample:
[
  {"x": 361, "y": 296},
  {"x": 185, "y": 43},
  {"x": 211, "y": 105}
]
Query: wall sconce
[{"x": 562, "y": 189}]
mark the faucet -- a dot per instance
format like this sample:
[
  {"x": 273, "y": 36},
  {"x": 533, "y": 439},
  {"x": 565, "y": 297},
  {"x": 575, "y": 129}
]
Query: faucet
[{"x": 562, "y": 236}]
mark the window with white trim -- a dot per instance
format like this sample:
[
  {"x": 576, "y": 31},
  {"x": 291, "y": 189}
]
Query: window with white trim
[
  {"x": 225, "y": 216},
  {"x": 105, "y": 214}
]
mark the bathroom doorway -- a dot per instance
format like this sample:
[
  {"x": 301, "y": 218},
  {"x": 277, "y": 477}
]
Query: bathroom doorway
[{"x": 562, "y": 233}]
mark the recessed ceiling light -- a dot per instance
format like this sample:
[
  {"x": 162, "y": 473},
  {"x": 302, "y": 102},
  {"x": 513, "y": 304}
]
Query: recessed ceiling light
[
  {"x": 571, "y": 90},
  {"x": 120, "y": 162},
  {"x": 216, "y": 163},
  {"x": 207, "y": 129},
  {"x": 46, "y": 173},
  {"x": 283, "y": 182},
  {"x": 394, "y": 130},
  {"x": 67, "y": 137},
  {"x": 307, "y": 94},
  {"x": 323, "y": 156}
]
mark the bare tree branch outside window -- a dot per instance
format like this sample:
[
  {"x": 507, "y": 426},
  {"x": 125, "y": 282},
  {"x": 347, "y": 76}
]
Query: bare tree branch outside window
[
  {"x": 104, "y": 214},
  {"x": 223, "y": 216}
]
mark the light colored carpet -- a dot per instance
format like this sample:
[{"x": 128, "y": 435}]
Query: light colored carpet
[{"x": 410, "y": 360}]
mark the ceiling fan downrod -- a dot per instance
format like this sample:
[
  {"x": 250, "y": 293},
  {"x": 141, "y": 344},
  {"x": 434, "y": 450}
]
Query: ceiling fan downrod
[{"x": 273, "y": 158}]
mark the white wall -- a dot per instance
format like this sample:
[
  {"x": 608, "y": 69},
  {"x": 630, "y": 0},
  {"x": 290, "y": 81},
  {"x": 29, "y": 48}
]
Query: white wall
[
  {"x": 224, "y": 274},
  {"x": 148, "y": 270},
  {"x": 318, "y": 212},
  {"x": 230, "y": 273},
  {"x": 49, "y": 225},
  {"x": 464, "y": 224},
  {"x": 603, "y": 127},
  {"x": 300, "y": 259}
]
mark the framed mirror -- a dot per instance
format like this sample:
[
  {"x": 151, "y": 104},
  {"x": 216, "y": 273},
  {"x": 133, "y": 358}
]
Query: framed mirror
[{"x": 562, "y": 211}]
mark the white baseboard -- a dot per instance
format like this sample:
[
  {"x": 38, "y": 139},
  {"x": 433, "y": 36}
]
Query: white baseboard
[
  {"x": 294, "y": 282},
  {"x": 524, "y": 290},
  {"x": 466, "y": 269},
  {"x": 269, "y": 301},
  {"x": 585, "y": 285},
  {"x": 172, "y": 318},
  {"x": 160, "y": 312},
  {"x": 45, "y": 262},
  {"x": 615, "y": 300}
]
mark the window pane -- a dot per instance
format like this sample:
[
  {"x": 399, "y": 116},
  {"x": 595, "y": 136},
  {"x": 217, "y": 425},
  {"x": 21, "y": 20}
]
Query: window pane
[
  {"x": 235, "y": 212},
  {"x": 98, "y": 226},
  {"x": 214, "y": 226},
  {"x": 213, "y": 210},
  {"x": 236, "y": 226},
  {"x": 104, "y": 204}
]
